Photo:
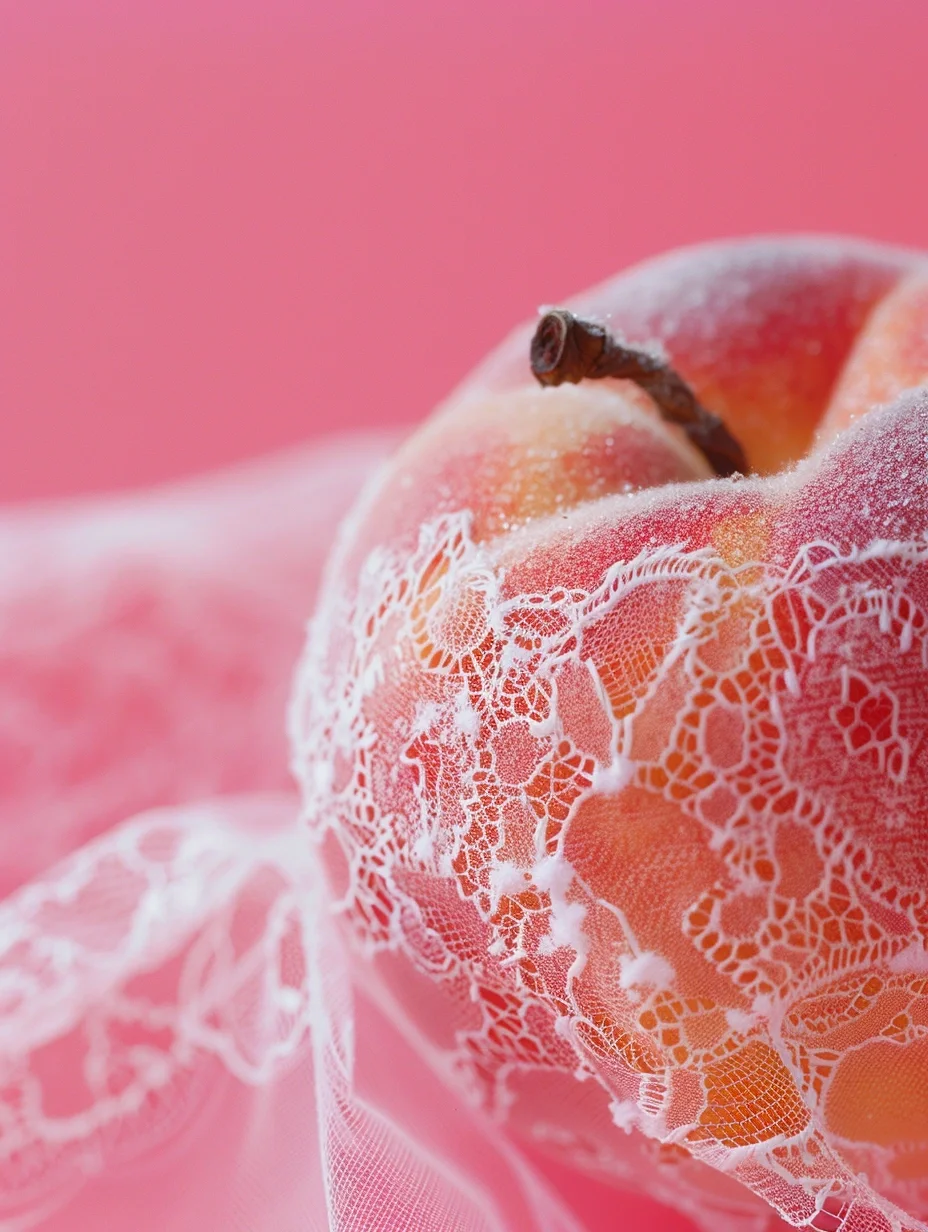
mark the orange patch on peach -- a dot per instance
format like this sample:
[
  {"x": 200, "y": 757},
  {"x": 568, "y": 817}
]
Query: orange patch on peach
[
  {"x": 742, "y": 539},
  {"x": 891, "y": 355},
  {"x": 888, "y": 1111}
]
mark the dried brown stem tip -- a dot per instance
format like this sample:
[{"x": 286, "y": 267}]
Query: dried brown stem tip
[{"x": 568, "y": 348}]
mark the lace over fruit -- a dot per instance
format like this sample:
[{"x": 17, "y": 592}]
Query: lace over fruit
[{"x": 619, "y": 771}]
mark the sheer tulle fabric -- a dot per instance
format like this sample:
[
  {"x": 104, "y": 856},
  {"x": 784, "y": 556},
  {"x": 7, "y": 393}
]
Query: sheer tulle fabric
[{"x": 182, "y": 1042}]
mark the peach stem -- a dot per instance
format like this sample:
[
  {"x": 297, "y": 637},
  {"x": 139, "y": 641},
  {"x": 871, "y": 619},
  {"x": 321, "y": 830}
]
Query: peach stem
[{"x": 566, "y": 347}]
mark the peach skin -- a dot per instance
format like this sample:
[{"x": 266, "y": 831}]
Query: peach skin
[{"x": 619, "y": 768}]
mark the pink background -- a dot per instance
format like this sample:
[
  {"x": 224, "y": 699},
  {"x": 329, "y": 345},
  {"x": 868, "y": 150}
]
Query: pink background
[{"x": 226, "y": 225}]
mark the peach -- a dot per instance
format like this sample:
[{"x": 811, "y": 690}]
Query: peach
[{"x": 619, "y": 769}]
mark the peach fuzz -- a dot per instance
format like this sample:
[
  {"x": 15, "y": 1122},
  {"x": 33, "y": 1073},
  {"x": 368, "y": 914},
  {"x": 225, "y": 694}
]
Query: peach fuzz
[{"x": 624, "y": 766}]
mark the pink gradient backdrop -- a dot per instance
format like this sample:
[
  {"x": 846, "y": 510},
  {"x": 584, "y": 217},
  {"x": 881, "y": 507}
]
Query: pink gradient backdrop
[{"x": 229, "y": 224}]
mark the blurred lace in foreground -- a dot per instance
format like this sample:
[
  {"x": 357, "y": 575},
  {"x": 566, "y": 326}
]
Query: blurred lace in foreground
[{"x": 177, "y": 1019}]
